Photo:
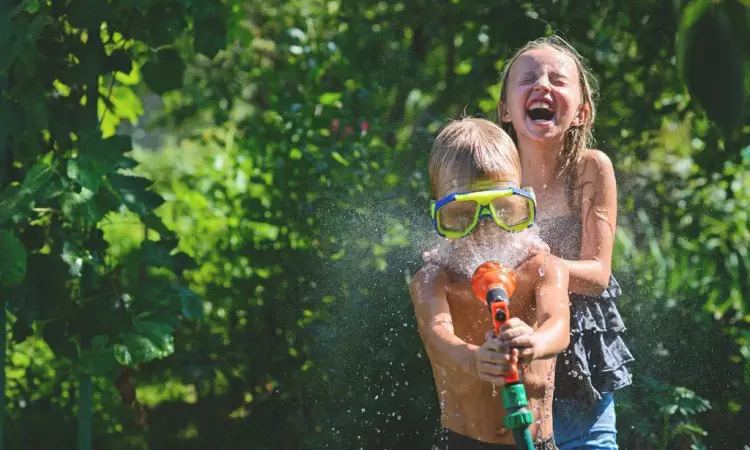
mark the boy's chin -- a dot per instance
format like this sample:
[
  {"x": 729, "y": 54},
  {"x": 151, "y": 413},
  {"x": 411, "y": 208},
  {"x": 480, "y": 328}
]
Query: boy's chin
[{"x": 463, "y": 256}]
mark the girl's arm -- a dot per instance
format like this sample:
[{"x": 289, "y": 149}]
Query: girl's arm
[
  {"x": 590, "y": 275},
  {"x": 552, "y": 334},
  {"x": 552, "y": 309},
  {"x": 435, "y": 324}
]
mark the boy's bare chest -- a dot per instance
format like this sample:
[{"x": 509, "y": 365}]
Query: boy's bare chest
[{"x": 471, "y": 317}]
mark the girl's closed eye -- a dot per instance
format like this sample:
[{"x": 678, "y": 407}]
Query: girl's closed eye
[
  {"x": 528, "y": 77},
  {"x": 559, "y": 80}
]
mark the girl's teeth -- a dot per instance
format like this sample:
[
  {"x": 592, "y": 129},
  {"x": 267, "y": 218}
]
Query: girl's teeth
[{"x": 543, "y": 105}]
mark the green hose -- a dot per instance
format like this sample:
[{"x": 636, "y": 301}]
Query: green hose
[{"x": 519, "y": 416}]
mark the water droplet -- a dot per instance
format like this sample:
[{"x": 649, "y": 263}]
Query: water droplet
[
  {"x": 544, "y": 186},
  {"x": 541, "y": 271}
]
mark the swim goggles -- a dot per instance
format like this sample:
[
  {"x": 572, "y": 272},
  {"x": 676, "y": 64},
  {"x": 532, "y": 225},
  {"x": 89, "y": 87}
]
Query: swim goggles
[{"x": 456, "y": 215}]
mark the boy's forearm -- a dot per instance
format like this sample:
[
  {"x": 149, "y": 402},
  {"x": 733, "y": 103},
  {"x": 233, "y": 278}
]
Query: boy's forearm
[{"x": 447, "y": 350}]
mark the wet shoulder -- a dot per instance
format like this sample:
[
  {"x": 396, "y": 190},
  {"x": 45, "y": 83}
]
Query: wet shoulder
[
  {"x": 595, "y": 168},
  {"x": 429, "y": 279},
  {"x": 542, "y": 266}
]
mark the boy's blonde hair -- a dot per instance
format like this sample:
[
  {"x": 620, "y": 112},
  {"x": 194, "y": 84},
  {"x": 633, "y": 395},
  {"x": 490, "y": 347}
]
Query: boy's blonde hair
[
  {"x": 579, "y": 138},
  {"x": 468, "y": 149}
]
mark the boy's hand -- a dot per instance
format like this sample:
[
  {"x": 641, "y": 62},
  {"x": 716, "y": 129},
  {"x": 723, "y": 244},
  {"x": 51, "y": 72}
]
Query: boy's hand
[
  {"x": 493, "y": 360},
  {"x": 518, "y": 335}
]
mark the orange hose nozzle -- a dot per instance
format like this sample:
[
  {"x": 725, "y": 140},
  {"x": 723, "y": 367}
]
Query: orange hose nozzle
[
  {"x": 493, "y": 283},
  {"x": 493, "y": 275}
]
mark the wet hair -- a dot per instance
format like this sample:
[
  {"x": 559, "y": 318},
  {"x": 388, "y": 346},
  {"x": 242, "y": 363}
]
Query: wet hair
[
  {"x": 470, "y": 149},
  {"x": 577, "y": 138}
]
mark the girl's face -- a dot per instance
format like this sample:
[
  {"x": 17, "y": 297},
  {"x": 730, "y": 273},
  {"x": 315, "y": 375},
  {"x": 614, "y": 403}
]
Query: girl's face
[{"x": 543, "y": 96}]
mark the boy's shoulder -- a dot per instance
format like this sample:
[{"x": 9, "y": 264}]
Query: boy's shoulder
[
  {"x": 428, "y": 277},
  {"x": 543, "y": 265}
]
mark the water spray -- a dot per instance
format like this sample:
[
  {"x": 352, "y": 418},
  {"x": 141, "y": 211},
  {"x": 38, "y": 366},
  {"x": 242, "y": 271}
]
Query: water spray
[{"x": 494, "y": 283}]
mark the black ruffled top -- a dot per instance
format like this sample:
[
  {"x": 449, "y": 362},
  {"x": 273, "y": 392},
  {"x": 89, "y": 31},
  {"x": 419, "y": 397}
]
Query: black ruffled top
[{"x": 596, "y": 359}]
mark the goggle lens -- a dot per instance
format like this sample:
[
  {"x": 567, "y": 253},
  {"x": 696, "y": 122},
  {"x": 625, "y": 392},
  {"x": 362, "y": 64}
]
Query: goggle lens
[{"x": 457, "y": 216}]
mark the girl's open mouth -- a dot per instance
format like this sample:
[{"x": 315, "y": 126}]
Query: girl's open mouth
[{"x": 540, "y": 111}]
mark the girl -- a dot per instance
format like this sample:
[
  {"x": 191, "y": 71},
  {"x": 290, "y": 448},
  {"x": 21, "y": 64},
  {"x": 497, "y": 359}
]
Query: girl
[{"x": 547, "y": 106}]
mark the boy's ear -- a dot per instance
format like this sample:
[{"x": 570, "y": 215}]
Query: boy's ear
[
  {"x": 502, "y": 112},
  {"x": 582, "y": 115}
]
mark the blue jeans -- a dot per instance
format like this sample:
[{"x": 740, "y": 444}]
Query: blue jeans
[{"x": 579, "y": 427}]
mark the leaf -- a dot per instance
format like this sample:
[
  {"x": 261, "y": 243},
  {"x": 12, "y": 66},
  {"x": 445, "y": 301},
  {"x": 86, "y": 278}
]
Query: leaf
[
  {"x": 191, "y": 304},
  {"x": 165, "y": 73},
  {"x": 135, "y": 194},
  {"x": 210, "y": 35},
  {"x": 13, "y": 200},
  {"x": 154, "y": 222},
  {"x": 98, "y": 158},
  {"x": 142, "y": 349},
  {"x": 98, "y": 359},
  {"x": 32, "y": 6},
  {"x": 13, "y": 261},
  {"x": 21, "y": 330},
  {"x": 80, "y": 208},
  {"x": 160, "y": 334},
  {"x": 156, "y": 254},
  {"x": 329, "y": 98},
  {"x": 122, "y": 355},
  {"x": 118, "y": 61},
  {"x": 340, "y": 159},
  {"x": 55, "y": 334},
  {"x": 710, "y": 62},
  {"x": 182, "y": 262}
]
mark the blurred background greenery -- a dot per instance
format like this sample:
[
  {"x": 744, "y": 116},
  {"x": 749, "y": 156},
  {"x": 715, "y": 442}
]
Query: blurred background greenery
[{"x": 215, "y": 253}]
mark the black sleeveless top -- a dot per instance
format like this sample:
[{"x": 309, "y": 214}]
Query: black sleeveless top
[{"x": 596, "y": 359}]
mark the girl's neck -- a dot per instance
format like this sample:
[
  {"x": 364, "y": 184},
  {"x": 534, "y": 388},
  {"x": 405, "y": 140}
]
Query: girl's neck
[{"x": 540, "y": 163}]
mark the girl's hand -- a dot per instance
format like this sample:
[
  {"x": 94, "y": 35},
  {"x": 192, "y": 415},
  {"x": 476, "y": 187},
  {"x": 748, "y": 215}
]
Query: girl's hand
[
  {"x": 519, "y": 336},
  {"x": 494, "y": 359}
]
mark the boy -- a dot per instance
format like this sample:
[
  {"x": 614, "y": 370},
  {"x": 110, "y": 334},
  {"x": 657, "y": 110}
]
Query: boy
[{"x": 474, "y": 155}]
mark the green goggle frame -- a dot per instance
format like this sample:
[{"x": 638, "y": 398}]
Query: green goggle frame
[{"x": 485, "y": 203}]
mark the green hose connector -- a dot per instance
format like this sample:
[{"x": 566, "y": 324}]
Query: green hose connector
[
  {"x": 519, "y": 417},
  {"x": 514, "y": 396}
]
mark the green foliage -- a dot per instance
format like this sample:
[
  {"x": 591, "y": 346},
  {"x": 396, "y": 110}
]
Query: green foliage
[
  {"x": 165, "y": 72},
  {"x": 711, "y": 60},
  {"x": 69, "y": 72},
  {"x": 13, "y": 266},
  {"x": 275, "y": 188}
]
